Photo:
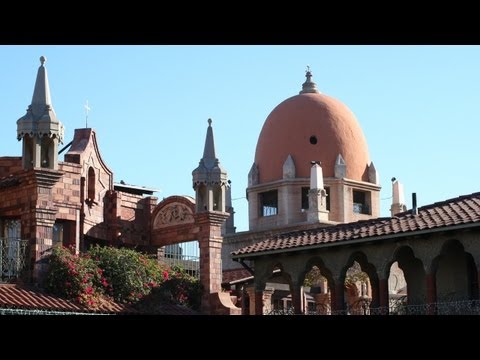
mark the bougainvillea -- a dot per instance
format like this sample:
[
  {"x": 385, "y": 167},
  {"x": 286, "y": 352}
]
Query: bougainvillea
[{"x": 122, "y": 275}]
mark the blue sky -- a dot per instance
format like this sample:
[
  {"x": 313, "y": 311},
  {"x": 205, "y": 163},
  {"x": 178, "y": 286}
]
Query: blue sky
[{"x": 417, "y": 105}]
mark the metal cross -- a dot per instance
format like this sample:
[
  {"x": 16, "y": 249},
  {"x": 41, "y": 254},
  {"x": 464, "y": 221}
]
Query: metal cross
[{"x": 87, "y": 109}]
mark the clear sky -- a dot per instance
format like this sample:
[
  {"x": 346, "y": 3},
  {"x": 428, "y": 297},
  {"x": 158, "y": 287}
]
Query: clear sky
[{"x": 419, "y": 108}]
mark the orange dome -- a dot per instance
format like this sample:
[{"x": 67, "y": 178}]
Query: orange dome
[{"x": 311, "y": 126}]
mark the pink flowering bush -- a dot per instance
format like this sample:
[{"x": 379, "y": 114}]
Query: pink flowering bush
[
  {"x": 121, "y": 275},
  {"x": 178, "y": 287},
  {"x": 75, "y": 277},
  {"x": 130, "y": 275}
]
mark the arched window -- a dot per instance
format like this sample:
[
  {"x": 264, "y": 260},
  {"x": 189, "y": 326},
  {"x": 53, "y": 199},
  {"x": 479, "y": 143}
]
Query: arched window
[{"x": 91, "y": 184}]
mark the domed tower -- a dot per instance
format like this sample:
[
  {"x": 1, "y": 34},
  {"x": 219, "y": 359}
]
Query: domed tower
[
  {"x": 308, "y": 129},
  {"x": 39, "y": 128}
]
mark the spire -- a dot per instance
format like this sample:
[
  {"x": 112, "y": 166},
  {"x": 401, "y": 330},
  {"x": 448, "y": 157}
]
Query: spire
[
  {"x": 40, "y": 118},
  {"x": 210, "y": 178},
  {"x": 41, "y": 93},
  {"x": 39, "y": 128},
  {"x": 309, "y": 86},
  {"x": 289, "y": 168},
  {"x": 340, "y": 169},
  {"x": 209, "y": 157}
]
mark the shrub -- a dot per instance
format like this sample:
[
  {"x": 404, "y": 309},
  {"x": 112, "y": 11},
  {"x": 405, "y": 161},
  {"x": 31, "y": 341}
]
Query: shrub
[
  {"x": 130, "y": 274},
  {"x": 123, "y": 275},
  {"x": 74, "y": 277},
  {"x": 180, "y": 288}
]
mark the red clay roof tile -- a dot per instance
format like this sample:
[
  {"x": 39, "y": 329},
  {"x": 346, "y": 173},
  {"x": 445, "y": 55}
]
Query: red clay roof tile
[
  {"x": 21, "y": 297},
  {"x": 457, "y": 211}
]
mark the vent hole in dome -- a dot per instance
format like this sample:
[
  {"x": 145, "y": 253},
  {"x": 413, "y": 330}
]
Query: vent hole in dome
[{"x": 313, "y": 139}]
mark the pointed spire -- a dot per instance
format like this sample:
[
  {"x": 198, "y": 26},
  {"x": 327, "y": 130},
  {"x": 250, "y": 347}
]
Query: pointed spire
[
  {"x": 40, "y": 118},
  {"x": 41, "y": 93},
  {"x": 373, "y": 174},
  {"x": 253, "y": 175},
  {"x": 340, "y": 170},
  {"x": 209, "y": 157},
  {"x": 309, "y": 86},
  {"x": 209, "y": 162},
  {"x": 289, "y": 168},
  {"x": 210, "y": 178}
]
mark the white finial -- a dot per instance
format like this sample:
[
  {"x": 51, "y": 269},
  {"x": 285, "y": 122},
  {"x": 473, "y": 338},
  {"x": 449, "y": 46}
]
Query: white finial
[
  {"x": 87, "y": 109},
  {"x": 43, "y": 59},
  {"x": 209, "y": 122}
]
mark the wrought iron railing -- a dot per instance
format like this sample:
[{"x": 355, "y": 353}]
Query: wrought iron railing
[
  {"x": 399, "y": 307},
  {"x": 13, "y": 258}
]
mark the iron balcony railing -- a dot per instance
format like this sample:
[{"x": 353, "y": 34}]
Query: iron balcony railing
[
  {"x": 13, "y": 258},
  {"x": 466, "y": 307}
]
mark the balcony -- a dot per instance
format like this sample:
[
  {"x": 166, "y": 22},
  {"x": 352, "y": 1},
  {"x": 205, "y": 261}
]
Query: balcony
[{"x": 13, "y": 256}]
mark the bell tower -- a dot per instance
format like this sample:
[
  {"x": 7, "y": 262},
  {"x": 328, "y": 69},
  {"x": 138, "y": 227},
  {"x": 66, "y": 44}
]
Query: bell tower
[
  {"x": 210, "y": 178},
  {"x": 39, "y": 128}
]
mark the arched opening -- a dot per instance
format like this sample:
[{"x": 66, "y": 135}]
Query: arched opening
[
  {"x": 318, "y": 296},
  {"x": 28, "y": 152},
  {"x": 46, "y": 152},
  {"x": 218, "y": 198},
  {"x": 397, "y": 290},
  {"x": 455, "y": 274},
  {"x": 360, "y": 286},
  {"x": 277, "y": 296},
  {"x": 201, "y": 199},
  {"x": 91, "y": 185},
  {"x": 406, "y": 281},
  {"x": 358, "y": 290}
]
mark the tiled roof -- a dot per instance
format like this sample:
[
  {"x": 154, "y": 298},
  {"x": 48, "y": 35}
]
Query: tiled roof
[
  {"x": 20, "y": 297},
  {"x": 463, "y": 210},
  {"x": 234, "y": 274}
]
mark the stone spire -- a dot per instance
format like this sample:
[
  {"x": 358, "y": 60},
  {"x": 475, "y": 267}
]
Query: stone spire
[
  {"x": 39, "y": 128},
  {"x": 309, "y": 86},
  {"x": 210, "y": 178},
  {"x": 209, "y": 159}
]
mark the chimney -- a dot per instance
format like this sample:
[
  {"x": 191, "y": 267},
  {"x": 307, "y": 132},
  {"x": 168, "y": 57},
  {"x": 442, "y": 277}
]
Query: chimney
[{"x": 414, "y": 204}]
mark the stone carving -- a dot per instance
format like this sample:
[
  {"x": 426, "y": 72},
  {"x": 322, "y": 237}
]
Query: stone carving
[{"x": 173, "y": 214}]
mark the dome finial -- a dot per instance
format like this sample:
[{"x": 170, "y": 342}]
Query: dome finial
[
  {"x": 309, "y": 86},
  {"x": 43, "y": 59},
  {"x": 209, "y": 122}
]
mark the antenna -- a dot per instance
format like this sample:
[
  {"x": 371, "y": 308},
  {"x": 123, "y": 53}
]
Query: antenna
[{"x": 87, "y": 109}]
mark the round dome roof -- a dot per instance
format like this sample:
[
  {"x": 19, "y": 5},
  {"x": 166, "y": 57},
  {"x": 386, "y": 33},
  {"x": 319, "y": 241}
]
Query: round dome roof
[{"x": 311, "y": 127}]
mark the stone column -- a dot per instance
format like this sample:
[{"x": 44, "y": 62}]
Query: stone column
[
  {"x": 383, "y": 296},
  {"x": 338, "y": 296},
  {"x": 210, "y": 241},
  {"x": 260, "y": 300},
  {"x": 431, "y": 293},
  {"x": 267, "y": 300},
  {"x": 322, "y": 303},
  {"x": 298, "y": 299},
  {"x": 250, "y": 290}
]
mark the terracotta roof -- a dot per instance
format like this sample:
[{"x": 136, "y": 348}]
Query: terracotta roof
[
  {"x": 463, "y": 210},
  {"x": 235, "y": 274},
  {"x": 21, "y": 297}
]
